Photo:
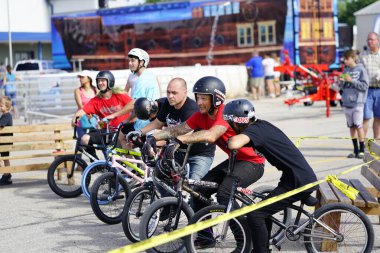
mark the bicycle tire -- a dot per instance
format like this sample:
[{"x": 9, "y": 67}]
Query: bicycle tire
[
  {"x": 91, "y": 173},
  {"x": 154, "y": 223},
  {"x": 58, "y": 179},
  {"x": 237, "y": 240},
  {"x": 104, "y": 203},
  {"x": 277, "y": 232},
  {"x": 134, "y": 208},
  {"x": 353, "y": 224}
]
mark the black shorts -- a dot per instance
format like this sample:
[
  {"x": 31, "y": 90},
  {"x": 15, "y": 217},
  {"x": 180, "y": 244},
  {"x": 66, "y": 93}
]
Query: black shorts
[{"x": 101, "y": 137}]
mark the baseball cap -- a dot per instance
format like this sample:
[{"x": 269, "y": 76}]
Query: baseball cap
[{"x": 85, "y": 73}]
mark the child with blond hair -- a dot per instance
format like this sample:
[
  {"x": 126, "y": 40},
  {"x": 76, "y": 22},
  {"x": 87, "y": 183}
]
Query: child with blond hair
[{"x": 5, "y": 120}]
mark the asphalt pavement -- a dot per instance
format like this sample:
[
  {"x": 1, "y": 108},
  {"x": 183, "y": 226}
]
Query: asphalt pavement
[{"x": 34, "y": 219}]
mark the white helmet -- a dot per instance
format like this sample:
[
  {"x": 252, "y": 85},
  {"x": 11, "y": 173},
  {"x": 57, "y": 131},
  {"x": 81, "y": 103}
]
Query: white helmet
[{"x": 140, "y": 54}]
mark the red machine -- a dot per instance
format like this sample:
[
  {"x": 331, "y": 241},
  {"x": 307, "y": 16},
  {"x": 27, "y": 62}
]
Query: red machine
[{"x": 316, "y": 82}]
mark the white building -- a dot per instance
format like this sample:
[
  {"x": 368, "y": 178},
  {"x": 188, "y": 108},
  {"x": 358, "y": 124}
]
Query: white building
[
  {"x": 367, "y": 20},
  {"x": 29, "y": 24}
]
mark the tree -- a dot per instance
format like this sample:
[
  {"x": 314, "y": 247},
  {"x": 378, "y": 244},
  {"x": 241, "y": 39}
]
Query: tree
[{"x": 347, "y": 9}]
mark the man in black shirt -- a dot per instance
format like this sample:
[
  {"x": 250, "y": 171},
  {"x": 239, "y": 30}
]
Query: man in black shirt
[
  {"x": 177, "y": 108},
  {"x": 279, "y": 151}
]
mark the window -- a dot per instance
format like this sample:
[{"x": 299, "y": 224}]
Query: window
[
  {"x": 24, "y": 55},
  {"x": 316, "y": 29},
  {"x": 207, "y": 11},
  {"x": 245, "y": 35},
  {"x": 328, "y": 29},
  {"x": 236, "y": 8},
  {"x": 267, "y": 32},
  {"x": 305, "y": 33}
]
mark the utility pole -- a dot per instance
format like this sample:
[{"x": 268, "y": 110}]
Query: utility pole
[{"x": 10, "y": 36}]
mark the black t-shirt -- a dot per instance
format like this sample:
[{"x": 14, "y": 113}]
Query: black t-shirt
[
  {"x": 160, "y": 103},
  {"x": 280, "y": 151},
  {"x": 171, "y": 116},
  {"x": 6, "y": 120}
]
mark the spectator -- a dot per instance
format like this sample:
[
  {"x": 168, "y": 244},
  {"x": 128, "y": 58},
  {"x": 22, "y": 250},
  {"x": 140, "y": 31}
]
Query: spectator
[
  {"x": 268, "y": 65},
  {"x": 371, "y": 60},
  {"x": 5, "y": 120},
  {"x": 256, "y": 75},
  {"x": 277, "y": 75},
  {"x": 10, "y": 88},
  {"x": 287, "y": 63},
  {"x": 355, "y": 88},
  {"x": 3, "y": 71},
  {"x": 83, "y": 95}
]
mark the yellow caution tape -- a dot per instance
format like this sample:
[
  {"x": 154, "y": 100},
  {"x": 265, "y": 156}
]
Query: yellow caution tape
[
  {"x": 167, "y": 237},
  {"x": 190, "y": 229},
  {"x": 349, "y": 191}
]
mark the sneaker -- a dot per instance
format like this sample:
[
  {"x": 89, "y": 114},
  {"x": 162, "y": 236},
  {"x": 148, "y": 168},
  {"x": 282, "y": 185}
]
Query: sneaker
[
  {"x": 360, "y": 155},
  {"x": 204, "y": 243},
  {"x": 6, "y": 179},
  {"x": 352, "y": 155}
]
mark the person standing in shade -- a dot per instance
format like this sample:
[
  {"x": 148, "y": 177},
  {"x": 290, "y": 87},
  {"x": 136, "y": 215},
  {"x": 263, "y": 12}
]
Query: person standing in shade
[
  {"x": 9, "y": 84},
  {"x": 268, "y": 65},
  {"x": 371, "y": 61},
  {"x": 256, "y": 75},
  {"x": 355, "y": 87}
]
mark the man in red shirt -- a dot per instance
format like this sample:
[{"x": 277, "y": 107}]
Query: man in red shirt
[
  {"x": 109, "y": 104},
  {"x": 210, "y": 94}
]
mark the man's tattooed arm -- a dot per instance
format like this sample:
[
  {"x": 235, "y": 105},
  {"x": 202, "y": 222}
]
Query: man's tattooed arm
[
  {"x": 172, "y": 132},
  {"x": 210, "y": 135}
]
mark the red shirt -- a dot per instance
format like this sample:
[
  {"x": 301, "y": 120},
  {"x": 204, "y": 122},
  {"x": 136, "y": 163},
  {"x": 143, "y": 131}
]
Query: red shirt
[
  {"x": 203, "y": 121},
  {"x": 104, "y": 107}
]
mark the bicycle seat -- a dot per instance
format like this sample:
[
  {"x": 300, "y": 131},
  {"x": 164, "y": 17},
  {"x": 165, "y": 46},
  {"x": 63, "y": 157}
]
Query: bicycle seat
[{"x": 310, "y": 201}]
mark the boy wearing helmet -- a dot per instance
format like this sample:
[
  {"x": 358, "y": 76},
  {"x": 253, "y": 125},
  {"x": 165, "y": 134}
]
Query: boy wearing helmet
[
  {"x": 145, "y": 85},
  {"x": 280, "y": 151},
  {"x": 210, "y": 94},
  {"x": 109, "y": 103}
]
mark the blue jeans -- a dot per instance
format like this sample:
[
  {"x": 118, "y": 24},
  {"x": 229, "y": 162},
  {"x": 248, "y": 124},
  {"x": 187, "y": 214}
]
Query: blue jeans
[{"x": 199, "y": 166}]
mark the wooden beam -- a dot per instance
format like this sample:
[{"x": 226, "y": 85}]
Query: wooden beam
[{"x": 22, "y": 168}]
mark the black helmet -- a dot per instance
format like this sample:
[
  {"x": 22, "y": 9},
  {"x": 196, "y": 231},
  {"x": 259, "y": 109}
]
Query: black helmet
[
  {"x": 212, "y": 86},
  {"x": 105, "y": 74},
  {"x": 240, "y": 111},
  {"x": 165, "y": 172},
  {"x": 144, "y": 108}
]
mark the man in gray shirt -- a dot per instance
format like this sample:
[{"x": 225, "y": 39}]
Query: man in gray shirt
[{"x": 371, "y": 62}]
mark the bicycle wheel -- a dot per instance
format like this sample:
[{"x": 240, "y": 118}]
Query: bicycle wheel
[
  {"x": 91, "y": 173},
  {"x": 284, "y": 216},
  {"x": 60, "y": 178},
  {"x": 160, "y": 218},
  {"x": 106, "y": 202},
  {"x": 236, "y": 237},
  {"x": 134, "y": 208},
  {"x": 354, "y": 231}
]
